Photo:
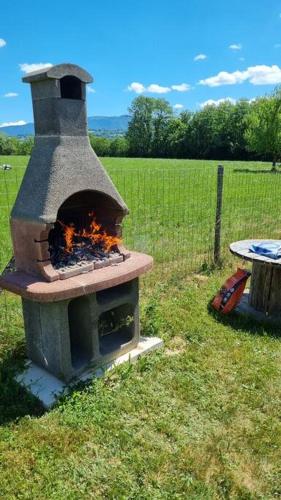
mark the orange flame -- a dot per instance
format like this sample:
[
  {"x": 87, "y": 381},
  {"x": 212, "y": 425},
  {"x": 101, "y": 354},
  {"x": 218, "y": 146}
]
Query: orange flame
[
  {"x": 69, "y": 232},
  {"x": 95, "y": 233}
]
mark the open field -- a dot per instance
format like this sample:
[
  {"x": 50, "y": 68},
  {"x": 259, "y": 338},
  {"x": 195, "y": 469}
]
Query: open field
[
  {"x": 172, "y": 204},
  {"x": 198, "y": 420}
]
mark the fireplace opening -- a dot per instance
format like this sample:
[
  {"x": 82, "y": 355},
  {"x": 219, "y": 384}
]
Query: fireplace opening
[
  {"x": 80, "y": 332},
  {"x": 116, "y": 328},
  {"x": 86, "y": 232},
  {"x": 71, "y": 87}
]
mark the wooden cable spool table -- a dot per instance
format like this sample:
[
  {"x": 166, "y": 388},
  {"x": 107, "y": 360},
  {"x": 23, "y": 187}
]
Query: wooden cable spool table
[{"x": 265, "y": 287}]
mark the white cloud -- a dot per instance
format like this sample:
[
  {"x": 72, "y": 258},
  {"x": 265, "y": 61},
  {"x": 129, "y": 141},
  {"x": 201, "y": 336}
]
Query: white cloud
[
  {"x": 2, "y": 42},
  {"x": 223, "y": 78},
  {"x": 257, "y": 75},
  {"x": 200, "y": 57},
  {"x": 12, "y": 124},
  {"x": 90, "y": 90},
  {"x": 28, "y": 68},
  {"x": 181, "y": 87},
  {"x": 213, "y": 102},
  {"x": 235, "y": 46},
  {"x": 136, "y": 87},
  {"x": 11, "y": 94},
  {"x": 154, "y": 88},
  {"x": 178, "y": 106}
]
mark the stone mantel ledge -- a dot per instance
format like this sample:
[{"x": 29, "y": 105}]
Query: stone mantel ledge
[{"x": 35, "y": 288}]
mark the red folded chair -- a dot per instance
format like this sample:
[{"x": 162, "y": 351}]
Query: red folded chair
[{"x": 231, "y": 291}]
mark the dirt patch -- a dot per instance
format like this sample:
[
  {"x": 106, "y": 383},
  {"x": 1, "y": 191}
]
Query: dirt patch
[{"x": 177, "y": 346}]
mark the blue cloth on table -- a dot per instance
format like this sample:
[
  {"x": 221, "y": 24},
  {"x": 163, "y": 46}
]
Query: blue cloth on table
[{"x": 271, "y": 249}]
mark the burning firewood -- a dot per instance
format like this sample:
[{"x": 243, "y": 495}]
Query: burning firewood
[{"x": 72, "y": 245}]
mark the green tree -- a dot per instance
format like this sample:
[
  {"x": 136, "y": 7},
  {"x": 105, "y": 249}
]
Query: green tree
[
  {"x": 139, "y": 133},
  {"x": 220, "y": 147},
  {"x": 25, "y": 146},
  {"x": 148, "y": 126},
  {"x": 237, "y": 128},
  {"x": 217, "y": 132},
  {"x": 119, "y": 147},
  {"x": 177, "y": 138},
  {"x": 101, "y": 145},
  {"x": 161, "y": 118},
  {"x": 202, "y": 133},
  {"x": 263, "y": 133},
  {"x": 10, "y": 146},
  {"x": 2, "y": 143}
]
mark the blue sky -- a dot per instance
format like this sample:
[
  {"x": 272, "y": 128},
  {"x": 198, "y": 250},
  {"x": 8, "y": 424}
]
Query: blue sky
[{"x": 143, "y": 47}]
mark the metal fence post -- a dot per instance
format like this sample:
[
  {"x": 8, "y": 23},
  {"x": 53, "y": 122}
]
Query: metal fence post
[{"x": 217, "y": 240}]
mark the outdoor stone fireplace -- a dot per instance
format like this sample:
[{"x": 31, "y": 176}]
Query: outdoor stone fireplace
[
  {"x": 66, "y": 201},
  {"x": 79, "y": 285}
]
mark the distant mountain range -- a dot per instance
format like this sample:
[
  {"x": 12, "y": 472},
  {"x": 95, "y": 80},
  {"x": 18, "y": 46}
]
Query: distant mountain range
[{"x": 101, "y": 125}]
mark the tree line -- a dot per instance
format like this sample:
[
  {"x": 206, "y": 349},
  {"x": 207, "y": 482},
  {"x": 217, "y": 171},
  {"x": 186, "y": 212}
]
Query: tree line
[
  {"x": 15, "y": 146},
  {"x": 103, "y": 146},
  {"x": 241, "y": 131}
]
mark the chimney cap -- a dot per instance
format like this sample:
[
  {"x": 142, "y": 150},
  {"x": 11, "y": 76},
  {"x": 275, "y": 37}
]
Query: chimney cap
[{"x": 58, "y": 71}]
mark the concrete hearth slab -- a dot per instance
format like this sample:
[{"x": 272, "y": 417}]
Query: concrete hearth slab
[{"x": 48, "y": 388}]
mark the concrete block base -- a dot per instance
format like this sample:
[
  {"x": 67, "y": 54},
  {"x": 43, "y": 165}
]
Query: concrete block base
[
  {"x": 68, "y": 336},
  {"x": 47, "y": 388}
]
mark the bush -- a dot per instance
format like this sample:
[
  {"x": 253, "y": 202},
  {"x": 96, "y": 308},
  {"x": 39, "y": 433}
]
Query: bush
[{"x": 15, "y": 145}]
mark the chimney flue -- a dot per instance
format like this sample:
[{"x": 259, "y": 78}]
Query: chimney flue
[{"x": 59, "y": 100}]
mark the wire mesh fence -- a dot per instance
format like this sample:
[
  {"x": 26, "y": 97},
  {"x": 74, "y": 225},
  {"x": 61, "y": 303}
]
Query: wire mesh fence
[{"x": 172, "y": 212}]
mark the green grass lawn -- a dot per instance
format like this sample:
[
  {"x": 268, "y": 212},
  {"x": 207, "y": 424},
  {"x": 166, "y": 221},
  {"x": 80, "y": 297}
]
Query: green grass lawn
[{"x": 199, "y": 419}]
